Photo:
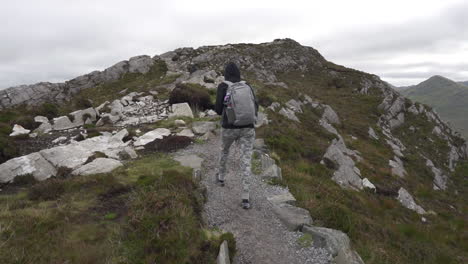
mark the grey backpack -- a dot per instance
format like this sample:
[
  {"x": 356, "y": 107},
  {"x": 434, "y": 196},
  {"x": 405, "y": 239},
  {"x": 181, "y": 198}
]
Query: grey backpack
[{"x": 239, "y": 104}]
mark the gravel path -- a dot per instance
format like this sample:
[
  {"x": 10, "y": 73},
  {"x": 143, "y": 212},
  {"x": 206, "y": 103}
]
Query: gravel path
[{"x": 260, "y": 236}]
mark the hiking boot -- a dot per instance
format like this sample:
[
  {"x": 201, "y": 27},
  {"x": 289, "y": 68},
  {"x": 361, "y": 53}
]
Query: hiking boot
[
  {"x": 218, "y": 181},
  {"x": 245, "y": 204}
]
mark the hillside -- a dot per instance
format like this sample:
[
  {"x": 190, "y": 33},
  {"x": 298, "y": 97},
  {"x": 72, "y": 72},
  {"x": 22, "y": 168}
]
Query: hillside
[
  {"x": 448, "y": 98},
  {"x": 342, "y": 161}
]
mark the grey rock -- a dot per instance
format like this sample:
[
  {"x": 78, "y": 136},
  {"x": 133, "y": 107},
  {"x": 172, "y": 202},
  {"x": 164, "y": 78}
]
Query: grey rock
[
  {"x": 440, "y": 179},
  {"x": 182, "y": 109},
  {"x": 179, "y": 122},
  {"x": 191, "y": 160},
  {"x": 79, "y": 116},
  {"x": 372, "y": 134},
  {"x": 272, "y": 172},
  {"x": 262, "y": 119},
  {"x": 62, "y": 123},
  {"x": 59, "y": 140},
  {"x": 100, "y": 108},
  {"x": 294, "y": 218},
  {"x": 99, "y": 165},
  {"x": 330, "y": 115},
  {"x": 407, "y": 201},
  {"x": 203, "y": 127},
  {"x": 187, "y": 132},
  {"x": 274, "y": 106},
  {"x": 116, "y": 108},
  {"x": 294, "y": 105},
  {"x": 335, "y": 242},
  {"x": 140, "y": 64},
  {"x": 367, "y": 184},
  {"x": 41, "y": 119},
  {"x": 44, "y": 128},
  {"x": 397, "y": 167},
  {"x": 286, "y": 197},
  {"x": 328, "y": 127},
  {"x": 33, "y": 164},
  {"x": 346, "y": 173},
  {"x": 289, "y": 114},
  {"x": 397, "y": 121},
  {"x": 19, "y": 130},
  {"x": 259, "y": 144},
  {"x": 223, "y": 255},
  {"x": 150, "y": 136},
  {"x": 413, "y": 109},
  {"x": 207, "y": 136}
]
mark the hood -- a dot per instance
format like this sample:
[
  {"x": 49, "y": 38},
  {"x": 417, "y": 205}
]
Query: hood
[{"x": 232, "y": 73}]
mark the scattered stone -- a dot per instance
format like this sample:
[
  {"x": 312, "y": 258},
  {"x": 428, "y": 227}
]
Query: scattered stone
[
  {"x": 274, "y": 105},
  {"x": 289, "y": 114},
  {"x": 203, "y": 127},
  {"x": 19, "y": 130},
  {"x": 182, "y": 109},
  {"x": 372, "y": 134},
  {"x": 330, "y": 115},
  {"x": 407, "y": 201},
  {"x": 367, "y": 184},
  {"x": 397, "y": 167},
  {"x": 59, "y": 140},
  {"x": 148, "y": 137},
  {"x": 99, "y": 165},
  {"x": 179, "y": 122},
  {"x": 187, "y": 132},
  {"x": 192, "y": 161},
  {"x": 33, "y": 164},
  {"x": 62, "y": 123}
]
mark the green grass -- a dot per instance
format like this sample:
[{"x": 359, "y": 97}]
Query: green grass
[{"x": 146, "y": 212}]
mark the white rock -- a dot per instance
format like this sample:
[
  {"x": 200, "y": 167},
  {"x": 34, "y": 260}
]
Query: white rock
[
  {"x": 330, "y": 115},
  {"x": 59, "y": 140},
  {"x": 367, "y": 184},
  {"x": 274, "y": 105},
  {"x": 294, "y": 105},
  {"x": 372, "y": 134},
  {"x": 203, "y": 127},
  {"x": 182, "y": 109},
  {"x": 407, "y": 201},
  {"x": 186, "y": 133},
  {"x": 179, "y": 122},
  {"x": 289, "y": 114},
  {"x": 397, "y": 167},
  {"x": 99, "y": 165},
  {"x": 41, "y": 119},
  {"x": 148, "y": 137},
  {"x": 62, "y": 123},
  {"x": 19, "y": 130},
  {"x": 33, "y": 163},
  {"x": 210, "y": 112},
  {"x": 33, "y": 135}
]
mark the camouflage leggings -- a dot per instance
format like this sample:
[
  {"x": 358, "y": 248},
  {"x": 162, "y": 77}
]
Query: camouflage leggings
[{"x": 245, "y": 138}]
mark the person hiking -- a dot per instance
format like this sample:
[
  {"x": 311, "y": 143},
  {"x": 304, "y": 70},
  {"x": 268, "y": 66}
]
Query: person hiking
[{"x": 237, "y": 104}]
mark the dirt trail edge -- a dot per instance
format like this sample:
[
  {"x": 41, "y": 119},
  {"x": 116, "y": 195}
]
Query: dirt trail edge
[{"x": 261, "y": 237}]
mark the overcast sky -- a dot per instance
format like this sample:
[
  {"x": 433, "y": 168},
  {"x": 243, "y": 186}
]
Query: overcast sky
[{"x": 403, "y": 41}]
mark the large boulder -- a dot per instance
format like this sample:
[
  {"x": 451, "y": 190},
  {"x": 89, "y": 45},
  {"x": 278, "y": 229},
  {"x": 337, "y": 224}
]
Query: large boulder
[
  {"x": 330, "y": 115},
  {"x": 81, "y": 116},
  {"x": 294, "y": 218},
  {"x": 33, "y": 164},
  {"x": 99, "y": 165},
  {"x": 62, "y": 123}
]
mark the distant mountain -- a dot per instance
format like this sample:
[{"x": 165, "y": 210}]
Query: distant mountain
[
  {"x": 449, "y": 99},
  {"x": 465, "y": 83}
]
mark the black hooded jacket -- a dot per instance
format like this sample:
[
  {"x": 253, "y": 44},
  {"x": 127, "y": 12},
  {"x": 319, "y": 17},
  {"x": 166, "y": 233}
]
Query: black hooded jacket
[{"x": 232, "y": 74}]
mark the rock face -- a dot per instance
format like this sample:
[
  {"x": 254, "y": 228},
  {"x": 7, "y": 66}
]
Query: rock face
[
  {"x": 99, "y": 165},
  {"x": 440, "y": 179},
  {"x": 43, "y": 92},
  {"x": 407, "y": 201}
]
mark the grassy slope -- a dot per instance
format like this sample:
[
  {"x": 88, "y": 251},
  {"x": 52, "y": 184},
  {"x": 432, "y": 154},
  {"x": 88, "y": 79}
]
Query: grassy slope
[
  {"x": 380, "y": 228},
  {"x": 146, "y": 212},
  {"x": 447, "y": 97}
]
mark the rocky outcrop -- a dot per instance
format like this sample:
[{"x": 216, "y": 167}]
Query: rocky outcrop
[
  {"x": 151, "y": 136},
  {"x": 440, "y": 179},
  {"x": 407, "y": 201},
  {"x": 335, "y": 242},
  {"x": 33, "y": 164},
  {"x": 99, "y": 165},
  {"x": 339, "y": 157},
  {"x": 43, "y": 92}
]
